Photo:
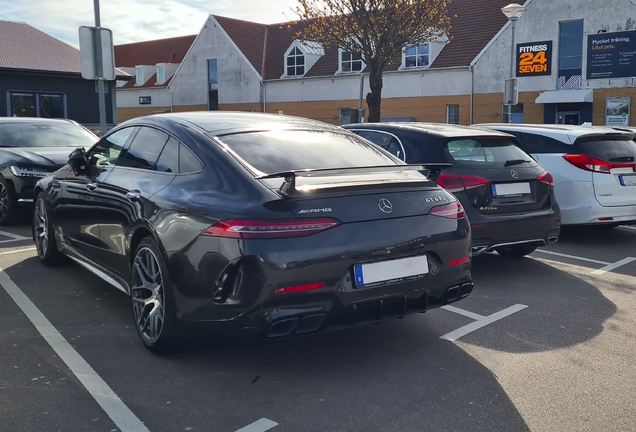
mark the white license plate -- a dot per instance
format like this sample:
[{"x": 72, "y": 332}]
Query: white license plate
[
  {"x": 628, "y": 180},
  {"x": 510, "y": 189},
  {"x": 389, "y": 272}
]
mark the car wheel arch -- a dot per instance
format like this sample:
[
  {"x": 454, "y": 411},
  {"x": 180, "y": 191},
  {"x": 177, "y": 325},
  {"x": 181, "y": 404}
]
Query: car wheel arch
[{"x": 137, "y": 235}]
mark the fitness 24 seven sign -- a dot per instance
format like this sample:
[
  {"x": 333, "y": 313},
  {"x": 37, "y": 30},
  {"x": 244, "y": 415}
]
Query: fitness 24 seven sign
[{"x": 534, "y": 58}]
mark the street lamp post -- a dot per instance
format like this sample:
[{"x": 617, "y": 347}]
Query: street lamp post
[{"x": 513, "y": 11}]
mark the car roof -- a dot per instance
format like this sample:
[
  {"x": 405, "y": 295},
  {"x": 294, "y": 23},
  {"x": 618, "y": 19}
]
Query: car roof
[
  {"x": 441, "y": 129},
  {"x": 33, "y": 120},
  {"x": 564, "y": 133},
  {"x": 224, "y": 122}
]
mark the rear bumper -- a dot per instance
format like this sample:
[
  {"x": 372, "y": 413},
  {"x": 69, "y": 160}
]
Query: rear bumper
[
  {"x": 543, "y": 229},
  {"x": 231, "y": 284}
]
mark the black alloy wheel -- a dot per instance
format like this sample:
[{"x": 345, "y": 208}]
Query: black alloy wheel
[
  {"x": 152, "y": 301},
  {"x": 518, "y": 250},
  {"x": 43, "y": 234},
  {"x": 8, "y": 213}
]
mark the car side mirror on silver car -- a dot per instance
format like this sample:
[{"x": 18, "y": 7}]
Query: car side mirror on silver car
[{"x": 77, "y": 160}]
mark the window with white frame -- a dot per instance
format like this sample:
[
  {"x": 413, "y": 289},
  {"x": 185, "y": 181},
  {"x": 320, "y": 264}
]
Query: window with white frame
[
  {"x": 139, "y": 75},
  {"x": 295, "y": 63},
  {"x": 161, "y": 74},
  {"x": 417, "y": 56},
  {"x": 351, "y": 62},
  {"x": 452, "y": 114}
]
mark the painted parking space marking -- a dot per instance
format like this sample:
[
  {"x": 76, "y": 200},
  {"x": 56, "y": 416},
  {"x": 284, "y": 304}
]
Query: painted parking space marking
[
  {"x": 479, "y": 323},
  {"x": 628, "y": 227},
  {"x": 463, "y": 312},
  {"x": 261, "y": 425},
  {"x": 118, "y": 412},
  {"x": 573, "y": 257},
  {"x": 608, "y": 267},
  {"x": 12, "y": 237},
  {"x": 15, "y": 251}
]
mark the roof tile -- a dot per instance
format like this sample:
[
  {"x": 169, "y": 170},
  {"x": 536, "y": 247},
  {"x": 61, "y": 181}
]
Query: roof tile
[
  {"x": 170, "y": 50},
  {"x": 27, "y": 48}
]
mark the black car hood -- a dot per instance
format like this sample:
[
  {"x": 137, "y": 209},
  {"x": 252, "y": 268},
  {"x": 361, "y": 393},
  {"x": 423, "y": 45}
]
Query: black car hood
[{"x": 46, "y": 157}]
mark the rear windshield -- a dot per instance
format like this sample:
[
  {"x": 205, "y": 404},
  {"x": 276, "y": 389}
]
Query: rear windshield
[
  {"x": 614, "y": 150},
  {"x": 486, "y": 152},
  {"x": 276, "y": 151},
  {"x": 62, "y": 134}
]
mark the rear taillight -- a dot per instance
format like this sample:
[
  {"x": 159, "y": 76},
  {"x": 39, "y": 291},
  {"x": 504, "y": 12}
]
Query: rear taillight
[
  {"x": 459, "y": 261},
  {"x": 269, "y": 229},
  {"x": 301, "y": 288},
  {"x": 458, "y": 183},
  {"x": 546, "y": 177},
  {"x": 589, "y": 163},
  {"x": 453, "y": 210}
]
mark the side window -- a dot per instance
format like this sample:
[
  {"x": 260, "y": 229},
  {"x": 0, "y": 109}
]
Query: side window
[
  {"x": 379, "y": 138},
  {"x": 169, "y": 158},
  {"x": 108, "y": 149},
  {"x": 395, "y": 149},
  {"x": 537, "y": 144},
  {"x": 188, "y": 162},
  {"x": 144, "y": 150}
]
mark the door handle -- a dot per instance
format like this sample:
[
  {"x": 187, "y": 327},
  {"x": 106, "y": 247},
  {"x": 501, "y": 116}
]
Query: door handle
[
  {"x": 133, "y": 195},
  {"x": 91, "y": 186}
]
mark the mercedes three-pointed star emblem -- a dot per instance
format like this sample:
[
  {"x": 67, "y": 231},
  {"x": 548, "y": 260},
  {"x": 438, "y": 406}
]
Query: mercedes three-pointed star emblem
[
  {"x": 514, "y": 174},
  {"x": 385, "y": 205}
]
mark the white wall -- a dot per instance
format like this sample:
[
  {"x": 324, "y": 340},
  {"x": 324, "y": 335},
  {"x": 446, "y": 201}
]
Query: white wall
[
  {"x": 238, "y": 81},
  {"x": 129, "y": 98},
  {"x": 540, "y": 23},
  {"x": 429, "y": 82}
]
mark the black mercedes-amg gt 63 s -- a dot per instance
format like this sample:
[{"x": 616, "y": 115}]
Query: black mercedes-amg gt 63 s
[{"x": 277, "y": 225}]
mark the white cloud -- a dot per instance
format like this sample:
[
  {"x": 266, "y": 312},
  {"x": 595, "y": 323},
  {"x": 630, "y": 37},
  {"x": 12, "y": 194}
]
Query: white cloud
[{"x": 139, "y": 20}]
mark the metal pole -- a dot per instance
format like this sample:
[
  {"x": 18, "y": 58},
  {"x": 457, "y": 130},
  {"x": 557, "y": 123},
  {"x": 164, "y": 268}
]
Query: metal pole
[
  {"x": 360, "y": 106},
  {"x": 99, "y": 69},
  {"x": 512, "y": 61}
]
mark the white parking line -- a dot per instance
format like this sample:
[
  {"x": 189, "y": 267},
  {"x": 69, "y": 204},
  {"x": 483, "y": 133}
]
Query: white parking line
[
  {"x": 628, "y": 227},
  {"x": 261, "y": 425},
  {"x": 13, "y": 237},
  {"x": 573, "y": 257},
  {"x": 18, "y": 251},
  {"x": 463, "y": 312},
  {"x": 614, "y": 266},
  {"x": 119, "y": 413},
  {"x": 484, "y": 321},
  {"x": 608, "y": 266}
]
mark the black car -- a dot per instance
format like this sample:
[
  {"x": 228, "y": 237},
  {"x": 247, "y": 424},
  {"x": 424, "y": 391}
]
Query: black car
[
  {"x": 32, "y": 148},
  {"x": 508, "y": 197},
  {"x": 277, "y": 225}
]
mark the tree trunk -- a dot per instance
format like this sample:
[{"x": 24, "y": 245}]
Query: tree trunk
[{"x": 374, "y": 100}]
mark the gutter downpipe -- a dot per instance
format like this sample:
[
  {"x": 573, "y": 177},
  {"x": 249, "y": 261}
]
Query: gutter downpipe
[
  {"x": 263, "y": 64},
  {"x": 472, "y": 92},
  {"x": 170, "y": 91}
]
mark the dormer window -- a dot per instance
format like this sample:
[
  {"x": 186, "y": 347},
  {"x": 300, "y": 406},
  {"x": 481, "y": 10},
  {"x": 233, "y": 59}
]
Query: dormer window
[
  {"x": 300, "y": 57},
  {"x": 417, "y": 56},
  {"x": 161, "y": 74},
  {"x": 295, "y": 63},
  {"x": 139, "y": 77},
  {"x": 350, "y": 62}
]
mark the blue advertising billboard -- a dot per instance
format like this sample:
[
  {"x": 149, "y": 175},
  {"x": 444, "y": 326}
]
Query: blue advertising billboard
[{"x": 611, "y": 55}]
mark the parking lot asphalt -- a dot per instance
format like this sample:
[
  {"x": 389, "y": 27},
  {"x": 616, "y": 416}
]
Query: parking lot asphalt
[{"x": 544, "y": 343}]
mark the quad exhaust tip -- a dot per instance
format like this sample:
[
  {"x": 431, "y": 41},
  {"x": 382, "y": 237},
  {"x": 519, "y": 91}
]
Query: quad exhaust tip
[{"x": 553, "y": 239}]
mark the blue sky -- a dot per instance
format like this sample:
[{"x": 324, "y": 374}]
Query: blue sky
[{"x": 139, "y": 20}]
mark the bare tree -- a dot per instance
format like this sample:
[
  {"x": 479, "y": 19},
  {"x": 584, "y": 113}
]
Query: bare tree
[{"x": 376, "y": 29}]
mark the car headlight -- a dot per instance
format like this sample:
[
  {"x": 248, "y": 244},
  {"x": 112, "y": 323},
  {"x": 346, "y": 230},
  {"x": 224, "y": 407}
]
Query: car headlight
[{"x": 29, "y": 172}]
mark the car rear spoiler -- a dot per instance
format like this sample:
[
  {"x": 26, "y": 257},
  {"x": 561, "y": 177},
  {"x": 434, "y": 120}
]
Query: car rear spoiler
[{"x": 288, "y": 188}]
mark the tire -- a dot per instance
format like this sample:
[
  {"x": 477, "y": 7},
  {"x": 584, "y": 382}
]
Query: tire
[
  {"x": 517, "y": 251},
  {"x": 153, "y": 305},
  {"x": 10, "y": 213},
  {"x": 43, "y": 234}
]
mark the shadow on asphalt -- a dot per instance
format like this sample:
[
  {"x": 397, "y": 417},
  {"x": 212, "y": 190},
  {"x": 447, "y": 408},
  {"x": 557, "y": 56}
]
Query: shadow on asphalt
[
  {"x": 396, "y": 376},
  {"x": 563, "y": 309}
]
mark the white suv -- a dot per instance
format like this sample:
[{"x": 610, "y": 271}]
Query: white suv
[{"x": 594, "y": 169}]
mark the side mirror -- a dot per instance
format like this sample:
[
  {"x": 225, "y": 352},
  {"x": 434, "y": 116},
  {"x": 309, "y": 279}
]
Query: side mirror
[{"x": 77, "y": 160}]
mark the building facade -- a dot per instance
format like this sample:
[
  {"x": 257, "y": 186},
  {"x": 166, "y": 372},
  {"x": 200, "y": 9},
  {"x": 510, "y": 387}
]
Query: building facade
[
  {"x": 40, "y": 76},
  {"x": 572, "y": 62}
]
